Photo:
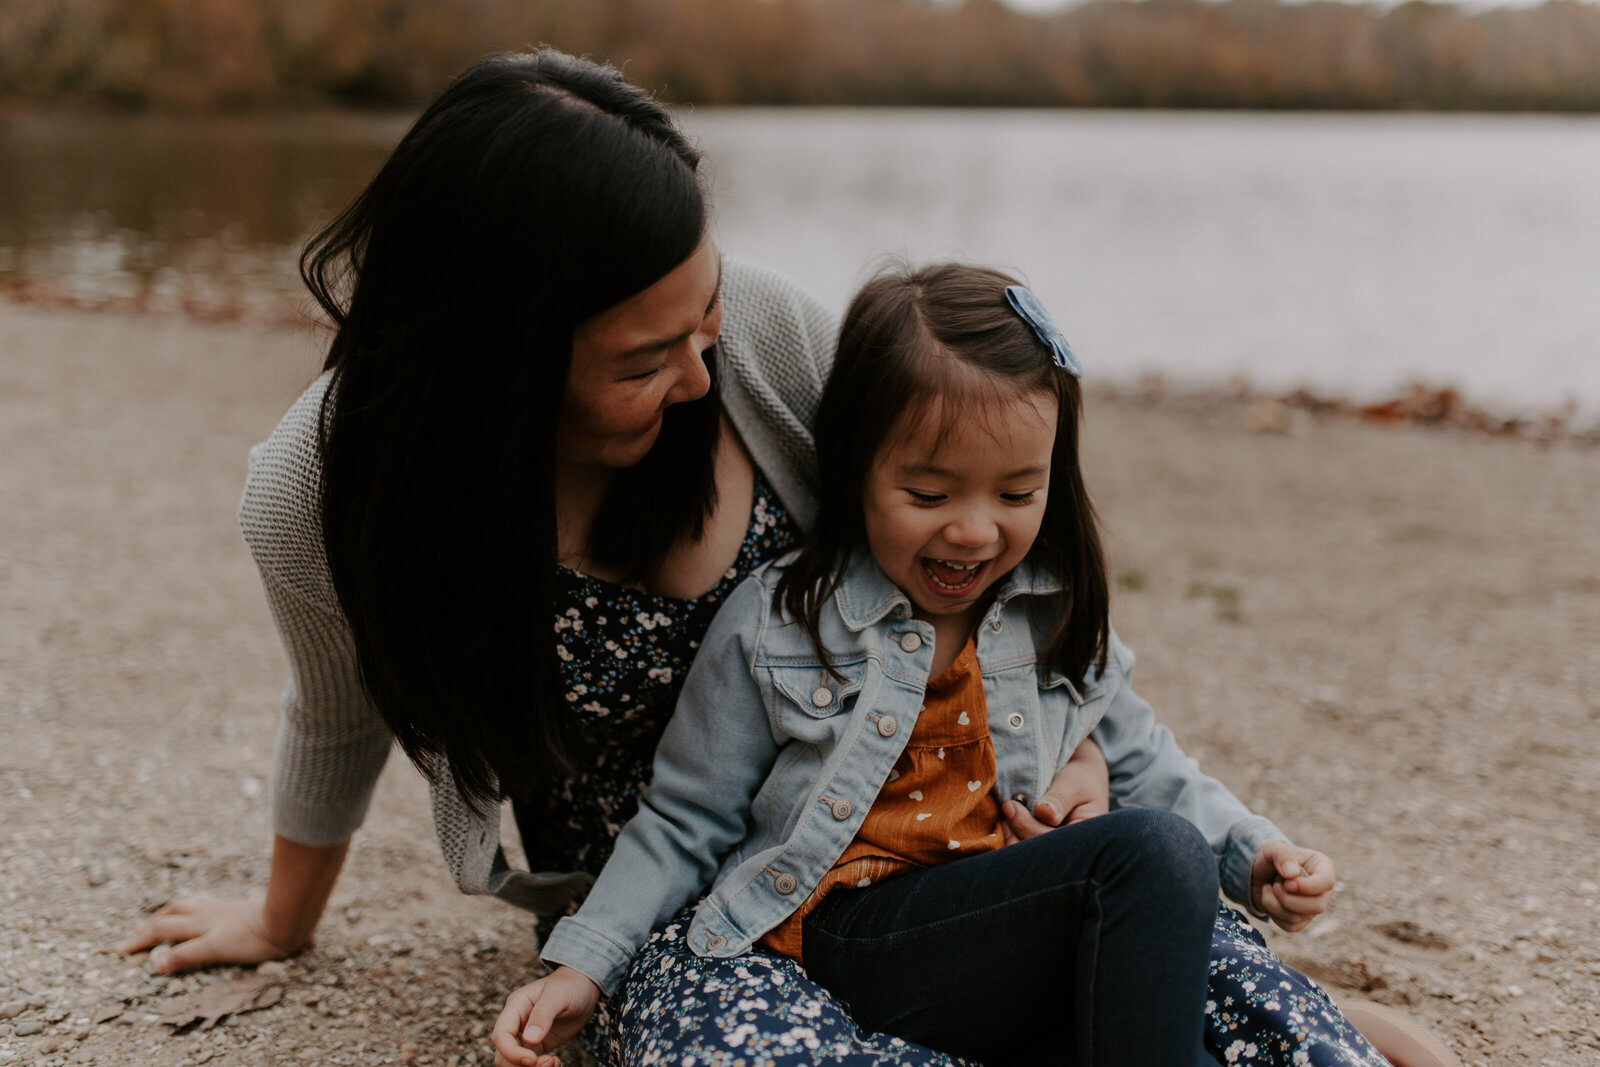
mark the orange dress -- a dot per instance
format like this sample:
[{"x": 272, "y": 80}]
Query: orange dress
[{"x": 938, "y": 804}]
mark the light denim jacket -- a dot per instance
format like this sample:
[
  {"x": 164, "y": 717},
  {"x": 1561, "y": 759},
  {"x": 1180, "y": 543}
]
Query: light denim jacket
[{"x": 759, "y": 784}]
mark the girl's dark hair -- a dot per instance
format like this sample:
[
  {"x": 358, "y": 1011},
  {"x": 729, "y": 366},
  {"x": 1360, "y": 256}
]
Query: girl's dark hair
[
  {"x": 945, "y": 334},
  {"x": 535, "y": 192}
]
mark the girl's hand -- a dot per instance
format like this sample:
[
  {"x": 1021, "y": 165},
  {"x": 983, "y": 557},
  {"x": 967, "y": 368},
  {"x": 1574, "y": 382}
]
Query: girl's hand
[
  {"x": 208, "y": 930},
  {"x": 539, "y": 1018},
  {"x": 1291, "y": 884},
  {"x": 1080, "y": 790}
]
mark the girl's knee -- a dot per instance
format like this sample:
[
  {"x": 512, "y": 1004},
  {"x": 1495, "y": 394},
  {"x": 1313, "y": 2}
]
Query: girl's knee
[{"x": 1172, "y": 848}]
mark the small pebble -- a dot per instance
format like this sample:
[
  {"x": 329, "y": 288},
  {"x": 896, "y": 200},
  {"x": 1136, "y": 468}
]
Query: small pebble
[
  {"x": 1514, "y": 990},
  {"x": 13, "y": 1009},
  {"x": 273, "y": 969},
  {"x": 29, "y": 1027}
]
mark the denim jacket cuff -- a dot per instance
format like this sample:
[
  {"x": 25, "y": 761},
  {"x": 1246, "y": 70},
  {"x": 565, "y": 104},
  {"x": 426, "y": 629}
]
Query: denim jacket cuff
[
  {"x": 1245, "y": 839},
  {"x": 576, "y": 944}
]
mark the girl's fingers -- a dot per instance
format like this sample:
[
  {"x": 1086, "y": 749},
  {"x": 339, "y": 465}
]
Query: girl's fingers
[
  {"x": 539, "y": 1020},
  {"x": 508, "y": 1025}
]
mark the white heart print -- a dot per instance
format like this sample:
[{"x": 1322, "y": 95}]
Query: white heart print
[
  {"x": 962, "y": 720},
  {"x": 973, "y": 787},
  {"x": 955, "y": 844},
  {"x": 915, "y": 794},
  {"x": 924, "y": 815}
]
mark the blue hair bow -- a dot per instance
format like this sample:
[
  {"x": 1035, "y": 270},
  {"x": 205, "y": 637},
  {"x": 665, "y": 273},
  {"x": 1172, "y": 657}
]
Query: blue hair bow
[{"x": 1031, "y": 308}]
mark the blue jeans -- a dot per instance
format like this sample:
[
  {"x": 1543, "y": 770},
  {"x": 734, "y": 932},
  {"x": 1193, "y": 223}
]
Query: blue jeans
[{"x": 1087, "y": 945}]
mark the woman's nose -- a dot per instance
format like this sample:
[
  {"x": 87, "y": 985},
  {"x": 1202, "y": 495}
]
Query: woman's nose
[{"x": 694, "y": 380}]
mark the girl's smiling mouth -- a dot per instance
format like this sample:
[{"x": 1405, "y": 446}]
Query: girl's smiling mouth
[{"x": 951, "y": 577}]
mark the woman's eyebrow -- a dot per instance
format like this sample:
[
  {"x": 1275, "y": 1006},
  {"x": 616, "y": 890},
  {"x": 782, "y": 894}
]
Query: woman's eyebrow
[{"x": 652, "y": 347}]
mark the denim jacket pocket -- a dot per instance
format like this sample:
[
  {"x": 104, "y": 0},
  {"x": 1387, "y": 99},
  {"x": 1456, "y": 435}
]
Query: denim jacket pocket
[{"x": 814, "y": 692}]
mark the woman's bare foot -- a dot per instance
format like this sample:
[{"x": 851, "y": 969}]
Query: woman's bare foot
[{"x": 1404, "y": 1041}]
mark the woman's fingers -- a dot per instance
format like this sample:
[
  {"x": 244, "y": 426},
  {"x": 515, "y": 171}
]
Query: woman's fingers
[
  {"x": 167, "y": 926},
  {"x": 1023, "y": 824}
]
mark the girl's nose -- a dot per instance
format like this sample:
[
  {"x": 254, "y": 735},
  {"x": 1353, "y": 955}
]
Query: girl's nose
[{"x": 973, "y": 529}]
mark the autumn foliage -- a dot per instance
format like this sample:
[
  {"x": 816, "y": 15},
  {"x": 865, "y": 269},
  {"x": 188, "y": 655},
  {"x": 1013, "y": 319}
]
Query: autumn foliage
[{"x": 192, "y": 54}]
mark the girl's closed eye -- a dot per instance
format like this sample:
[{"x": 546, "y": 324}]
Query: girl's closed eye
[
  {"x": 1020, "y": 498},
  {"x": 926, "y": 498}
]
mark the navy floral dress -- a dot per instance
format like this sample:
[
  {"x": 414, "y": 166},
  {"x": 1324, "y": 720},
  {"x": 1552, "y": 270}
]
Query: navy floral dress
[{"x": 623, "y": 656}]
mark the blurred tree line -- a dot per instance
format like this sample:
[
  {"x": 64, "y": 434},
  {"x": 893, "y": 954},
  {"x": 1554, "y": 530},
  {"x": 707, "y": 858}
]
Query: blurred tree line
[{"x": 196, "y": 54}]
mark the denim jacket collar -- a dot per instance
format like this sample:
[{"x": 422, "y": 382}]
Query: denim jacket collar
[{"x": 866, "y": 596}]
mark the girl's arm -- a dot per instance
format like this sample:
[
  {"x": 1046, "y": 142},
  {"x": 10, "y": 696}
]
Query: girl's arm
[
  {"x": 712, "y": 759},
  {"x": 1149, "y": 770}
]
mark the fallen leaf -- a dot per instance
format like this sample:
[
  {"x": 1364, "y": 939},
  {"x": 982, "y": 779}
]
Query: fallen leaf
[{"x": 216, "y": 1002}]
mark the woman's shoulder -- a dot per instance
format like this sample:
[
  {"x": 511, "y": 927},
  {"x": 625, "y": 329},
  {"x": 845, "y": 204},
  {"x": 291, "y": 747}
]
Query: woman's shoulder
[
  {"x": 773, "y": 329},
  {"x": 774, "y": 353},
  {"x": 279, "y": 512}
]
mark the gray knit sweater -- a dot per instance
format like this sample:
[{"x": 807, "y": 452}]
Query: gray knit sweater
[{"x": 775, "y": 347}]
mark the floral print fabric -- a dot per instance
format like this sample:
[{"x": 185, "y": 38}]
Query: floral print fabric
[
  {"x": 623, "y": 655},
  {"x": 760, "y": 1010},
  {"x": 1260, "y": 1011}
]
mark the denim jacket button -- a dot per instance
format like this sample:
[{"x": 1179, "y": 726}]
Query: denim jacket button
[
  {"x": 1015, "y": 720},
  {"x": 910, "y": 642},
  {"x": 822, "y": 696},
  {"x": 786, "y": 883},
  {"x": 842, "y": 809},
  {"x": 1020, "y": 798},
  {"x": 716, "y": 942},
  {"x": 887, "y": 726}
]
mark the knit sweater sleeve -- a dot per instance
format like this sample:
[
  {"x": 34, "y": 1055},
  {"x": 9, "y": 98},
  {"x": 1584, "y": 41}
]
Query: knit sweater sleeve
[
  {"x": 332, "y": 744},
  {"x": 775, "y": 351}
]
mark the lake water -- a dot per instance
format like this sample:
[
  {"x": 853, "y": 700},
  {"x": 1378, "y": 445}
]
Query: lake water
[{"x": 1348, "y": 253}]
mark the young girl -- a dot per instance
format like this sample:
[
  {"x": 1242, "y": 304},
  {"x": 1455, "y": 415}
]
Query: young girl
[{"x": 856, "y": 720}]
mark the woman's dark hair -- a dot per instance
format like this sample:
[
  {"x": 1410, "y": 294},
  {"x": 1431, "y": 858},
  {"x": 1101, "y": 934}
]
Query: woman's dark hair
[
  {"x": 945, "y": 335},
  {"x": 535, "y": 192}
]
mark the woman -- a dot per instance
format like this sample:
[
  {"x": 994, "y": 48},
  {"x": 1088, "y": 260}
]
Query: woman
[{"x": 518, "y": 413}]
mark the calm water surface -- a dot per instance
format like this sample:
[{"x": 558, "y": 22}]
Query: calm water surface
[{"x": 1349, "y": 253}]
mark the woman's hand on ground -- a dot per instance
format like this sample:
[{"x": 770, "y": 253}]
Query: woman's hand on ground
[
  {"x": 205, "y": 930},
  {"x": 1291, "y": 884},
  {"x": 1080, "y": 790},
  {"x": 539, "y": 1018}
]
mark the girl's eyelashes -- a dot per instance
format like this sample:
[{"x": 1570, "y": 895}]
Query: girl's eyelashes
[{"x": 939, "y": 498}]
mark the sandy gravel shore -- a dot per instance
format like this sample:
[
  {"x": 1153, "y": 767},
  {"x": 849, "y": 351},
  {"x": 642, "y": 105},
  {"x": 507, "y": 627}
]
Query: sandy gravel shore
[{"x": 1386, "y": 639}]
